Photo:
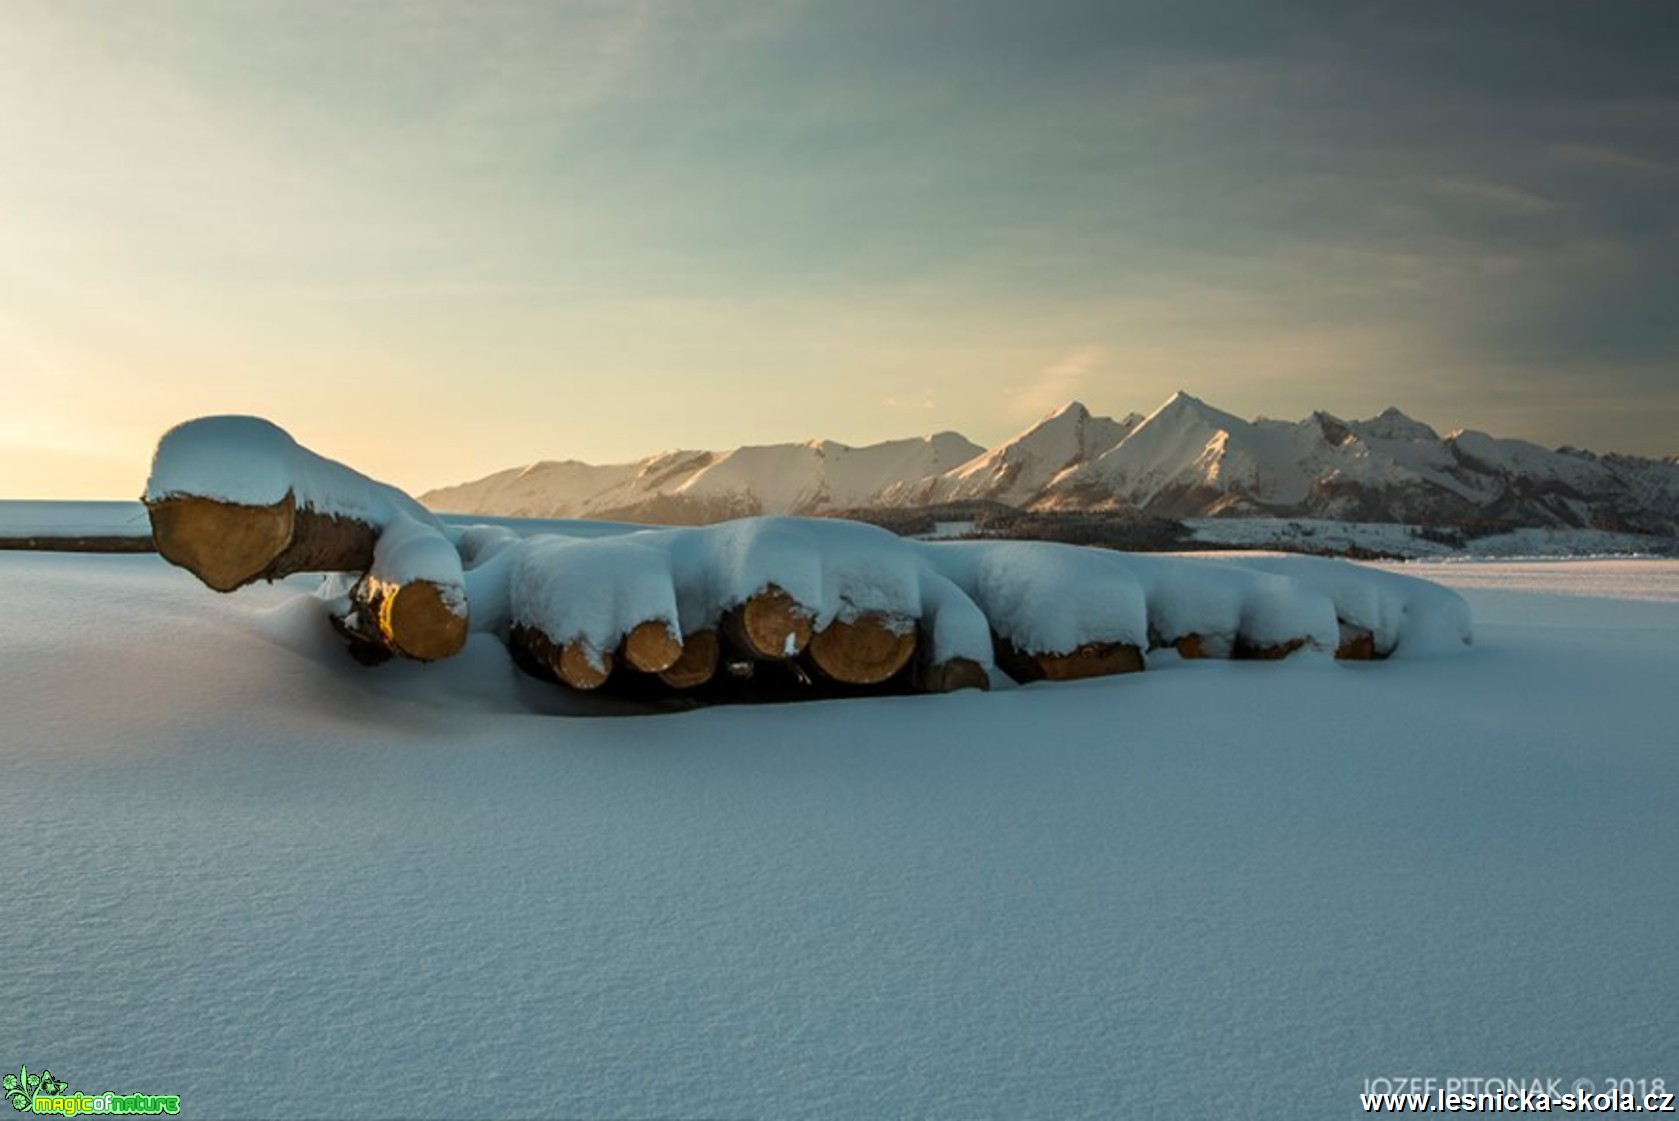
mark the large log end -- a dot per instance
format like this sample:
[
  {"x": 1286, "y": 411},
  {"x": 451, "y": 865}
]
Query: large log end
[
  {"x": 770, "y": 625},
  {"x": 224, "y": 544},
  {"x": 867, "y": 651},
  {"x": 418, "y": 621}
]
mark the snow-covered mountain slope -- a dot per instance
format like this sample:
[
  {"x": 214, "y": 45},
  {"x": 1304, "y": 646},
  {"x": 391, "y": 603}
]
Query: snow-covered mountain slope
[
  {"x": 1186, "y": 459},
  {"x": 1017, "y": 470},
  {"x": 689, "y": 487},
  {"x": 1188, "y": 455},
  {"x": 1189, "y": 459}
]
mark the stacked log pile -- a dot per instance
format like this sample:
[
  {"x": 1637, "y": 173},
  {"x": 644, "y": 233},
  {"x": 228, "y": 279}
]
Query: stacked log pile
[{"x": 759, "y": 609}]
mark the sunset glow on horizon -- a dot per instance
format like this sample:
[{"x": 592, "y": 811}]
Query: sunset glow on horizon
[{"x": 440, "y": 239}]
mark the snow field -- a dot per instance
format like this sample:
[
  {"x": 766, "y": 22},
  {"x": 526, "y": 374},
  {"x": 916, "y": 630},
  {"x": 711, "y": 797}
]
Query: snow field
[{"x": 1216, "y": 889}]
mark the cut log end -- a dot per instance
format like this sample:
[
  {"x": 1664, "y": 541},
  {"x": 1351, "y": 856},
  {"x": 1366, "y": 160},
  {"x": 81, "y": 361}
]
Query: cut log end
[
  {"x": 771, "y": 626},
  {"x": 224, "y": 544},
  {"x": 864, "y": 652},
  {"x": 1276, "y": 652},
  {"x": 228, "y": 545},
  {"x": 418, "y": 622},
  {"x": 415, "y": 620},
  {"x": 701, "y": 653},
  {"x": 574, "y": 663},
  {"x": 583, "y": 667},
  {"x": 1193, "y": 647},
  {"x": 1357, "y": 644},
  {"x": 532, "y": 651},
  {"x": 652, "y": 646},
  {"x": 1093, "y": 659},
  {"x": 948, "y": 677}
]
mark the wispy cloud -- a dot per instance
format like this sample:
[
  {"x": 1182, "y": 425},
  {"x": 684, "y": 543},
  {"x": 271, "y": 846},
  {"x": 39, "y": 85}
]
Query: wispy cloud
[
  {"x": 1610, "y": 157},
  {"x": 925, "y": 401},
  {"x": 1059, "y": 382},
  {"x": 1499, "y": 195}
]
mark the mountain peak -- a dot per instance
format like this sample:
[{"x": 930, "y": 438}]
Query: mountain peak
[
  {"x": 1182, "y": 401},
  {"x": 1074, "y": 409},
  {"x": 1064, "y": 426},
  {"x": 1186, "y": 459},
  {"x": 1183, "y": 407},
  {"x": 1334, "y": 429},
  {"x": 1391, "y": 424}
]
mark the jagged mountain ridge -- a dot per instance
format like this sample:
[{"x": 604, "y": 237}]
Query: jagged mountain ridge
[
  {"x": 697, "y": 487},
  {"x": 1186, "y": 459}
]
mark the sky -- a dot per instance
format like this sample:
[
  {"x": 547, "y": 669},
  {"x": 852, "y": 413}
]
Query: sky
[{"x": 436, "y": 239}]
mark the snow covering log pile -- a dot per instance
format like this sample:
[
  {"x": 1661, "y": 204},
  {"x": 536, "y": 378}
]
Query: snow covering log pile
[{"x": 769, "y": 607}]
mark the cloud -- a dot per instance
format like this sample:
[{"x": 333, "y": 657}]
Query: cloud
[
  {"x": 1057, "y": 383},
  {"x": 1499, "y": 195},
  {"x": 1597, "y": 156}
]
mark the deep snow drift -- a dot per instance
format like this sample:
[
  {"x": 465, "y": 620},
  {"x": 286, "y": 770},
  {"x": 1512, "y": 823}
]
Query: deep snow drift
[{"x": 248, "y": 872}]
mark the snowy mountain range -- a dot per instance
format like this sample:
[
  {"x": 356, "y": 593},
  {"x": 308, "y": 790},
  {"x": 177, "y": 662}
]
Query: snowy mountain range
[{"x": 1186, "y": 459}]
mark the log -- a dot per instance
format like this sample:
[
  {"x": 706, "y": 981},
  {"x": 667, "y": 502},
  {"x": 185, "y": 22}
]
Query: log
[
  {"x": 1192, "y": 647},
  {"x": 651, "y": 647},
  {"x": 866, "y": 651},
  {"x": 1093, "y": 659},
  {"x": 228, "y": 545},
  {"x": 414, "y": 619},
  {"x": 574, "y": 663},
  {"x": 948, "y": 677},
  {"x": 583, "y": 667},
  {"x": 1357, "y": 644},
  {"x": 532, "y": 651},
  {"x": 701, "y": 654},
  {"x": 1248, "y": 652},
  {"x": 368, "y": 651},
  {"x": 770, "y": 626}
]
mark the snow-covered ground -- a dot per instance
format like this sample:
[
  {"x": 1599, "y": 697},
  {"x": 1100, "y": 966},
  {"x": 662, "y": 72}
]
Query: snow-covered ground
[
  {"x": 28, "y": 518},
  {"x": 1621, "y": 578},
  {"x": 1315, "y": 533},
  {"x": 25, "y": 517},
  {"x": 1413, "y": 541},
  {"x": 242, "y": 869},
  {"x": 21, "y": 517}
]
